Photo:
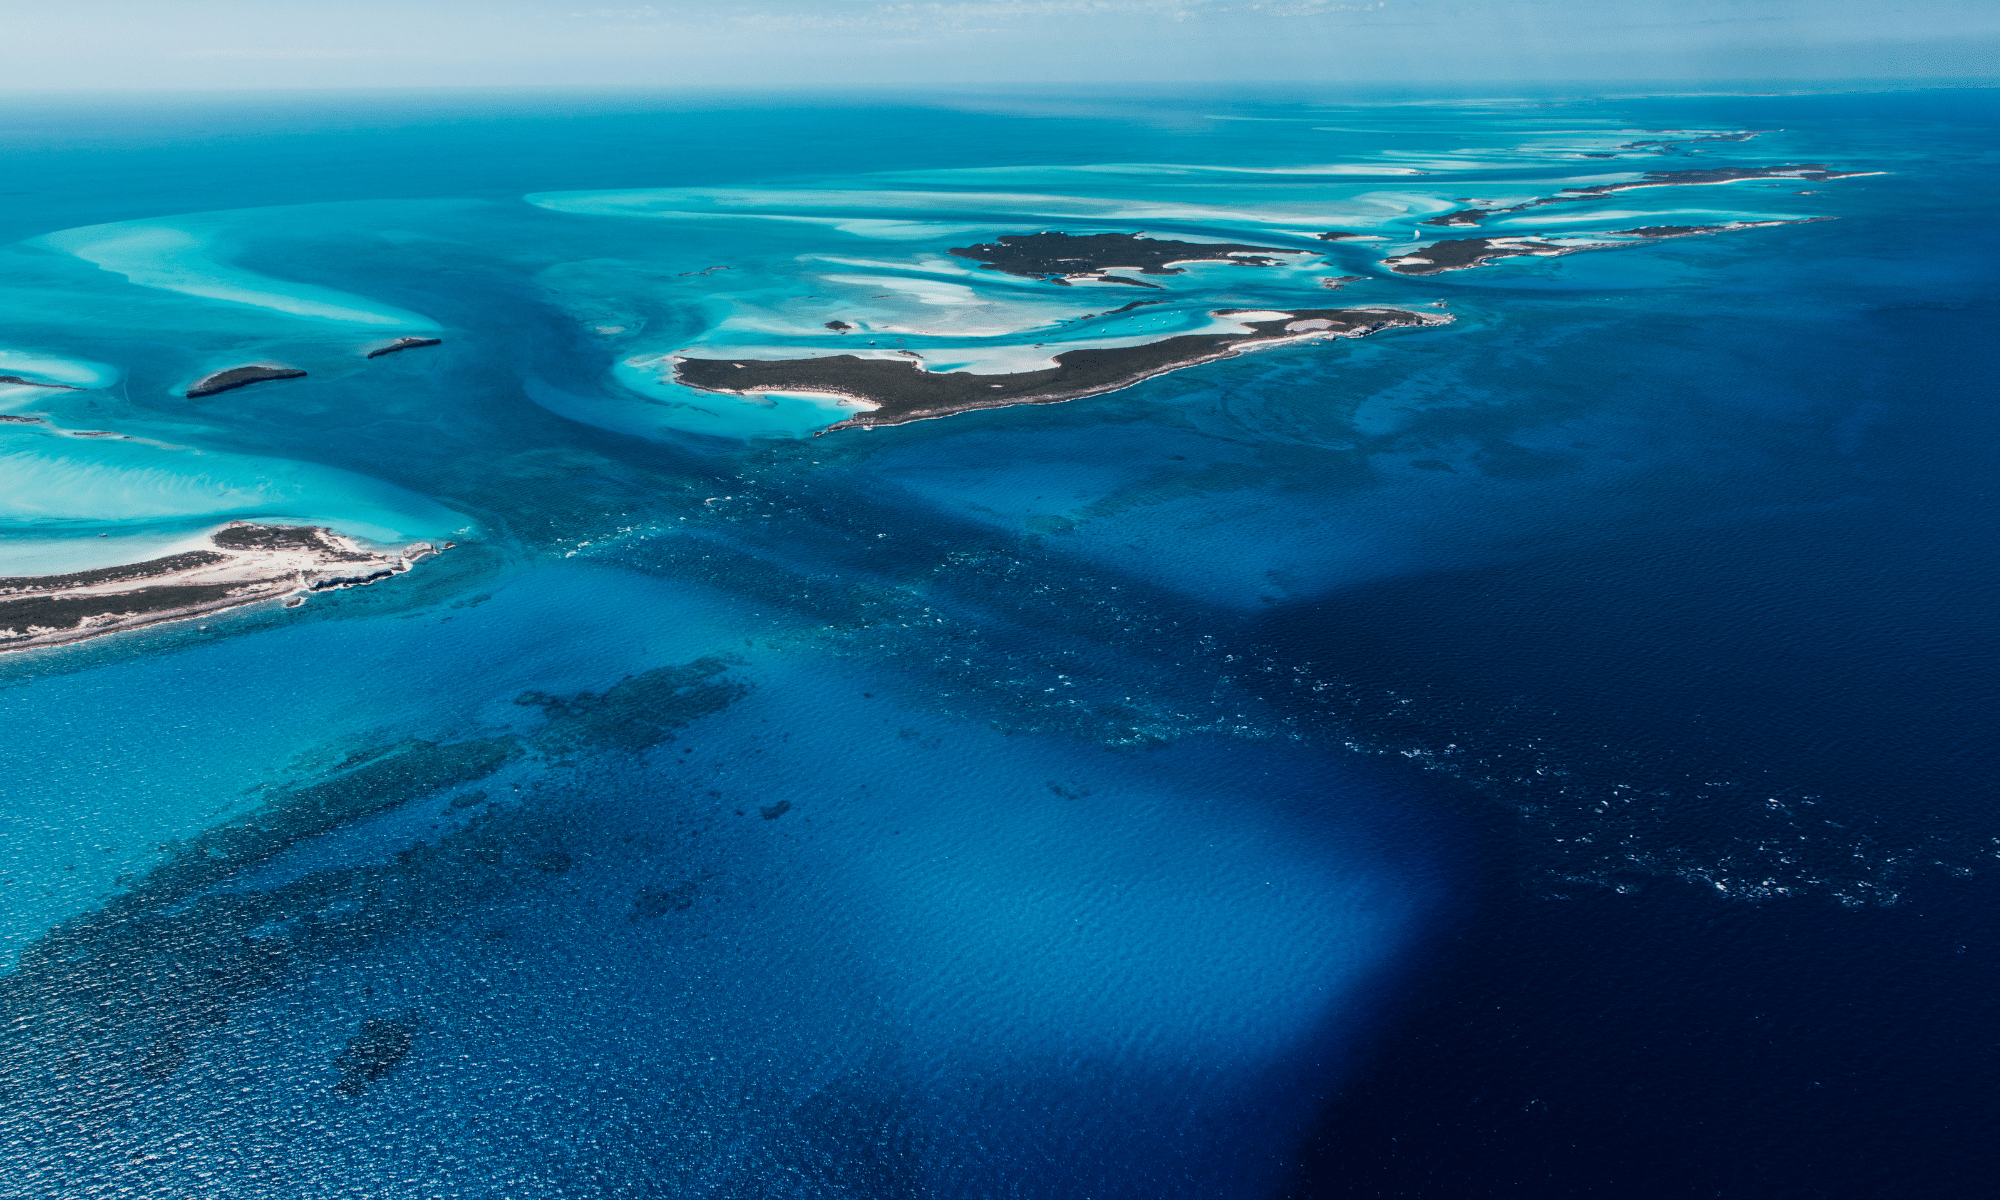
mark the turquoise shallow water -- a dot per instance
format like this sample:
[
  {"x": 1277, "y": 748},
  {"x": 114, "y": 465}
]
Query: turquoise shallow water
[{"x": 1051, "y": 801}]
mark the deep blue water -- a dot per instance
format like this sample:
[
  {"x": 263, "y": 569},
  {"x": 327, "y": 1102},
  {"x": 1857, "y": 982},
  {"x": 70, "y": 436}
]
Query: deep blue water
[{"x": 1548, "y": 754}]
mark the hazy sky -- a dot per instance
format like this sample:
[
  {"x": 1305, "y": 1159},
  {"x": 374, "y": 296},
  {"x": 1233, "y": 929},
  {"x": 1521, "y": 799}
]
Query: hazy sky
[{"x": 336, "y": 43}]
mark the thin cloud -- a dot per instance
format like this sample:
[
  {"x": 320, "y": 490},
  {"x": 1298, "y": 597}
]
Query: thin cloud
[{"x": 966, "y": 16}]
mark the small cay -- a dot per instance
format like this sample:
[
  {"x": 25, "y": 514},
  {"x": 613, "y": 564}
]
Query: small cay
[
  {"x": 17, "y": 381},
  {"x": 247, "y": 563},
  {"x": 402, "y": 343},
  {"x": 236, "y": 377}
]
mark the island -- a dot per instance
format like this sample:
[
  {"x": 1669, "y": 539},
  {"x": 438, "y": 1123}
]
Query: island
[
  {"x": 1659, "y": 146},
  {"x": 903, "y": 391},
  {"x": 245, "y": 564},
  {"x": 1812, "y": 172},
  {"x": 17, "y": 381},
  {"x": 1697, "y": 177},
  {"x": 1463, "y": 216},
  {"x": 236, "y": 377},
  {"x": 402, "y": 343},
  {"x": 1061, "y": 257},
  {"x": 1458, "y": 254}
]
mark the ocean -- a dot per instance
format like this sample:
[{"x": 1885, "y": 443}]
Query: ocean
[{"x": 1542, "y": 752}]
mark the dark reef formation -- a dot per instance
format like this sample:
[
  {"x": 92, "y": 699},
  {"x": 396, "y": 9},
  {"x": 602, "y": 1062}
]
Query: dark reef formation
[
  {"x": 1066, "y": 256},
  {"x": 1815, "y": 172},
  {"x": 633, "y": 713},
  {"x": 403, "y": 343},
  {"x": 372, "y": 1053},
  {"x": 1463, "y": 216},
  {"x": 905, "y": 391},
  {"x": 236, "y": 377},
  {"x": 119, "y": 1000}
]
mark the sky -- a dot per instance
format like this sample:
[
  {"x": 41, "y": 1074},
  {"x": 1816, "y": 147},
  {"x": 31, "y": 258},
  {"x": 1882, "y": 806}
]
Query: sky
[{"x": 205, "y": 44}]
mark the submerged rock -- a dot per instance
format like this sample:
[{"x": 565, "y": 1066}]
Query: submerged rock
[
  {"x": 372, "y": 1053},
  {"x": 658, "y": 902}
]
